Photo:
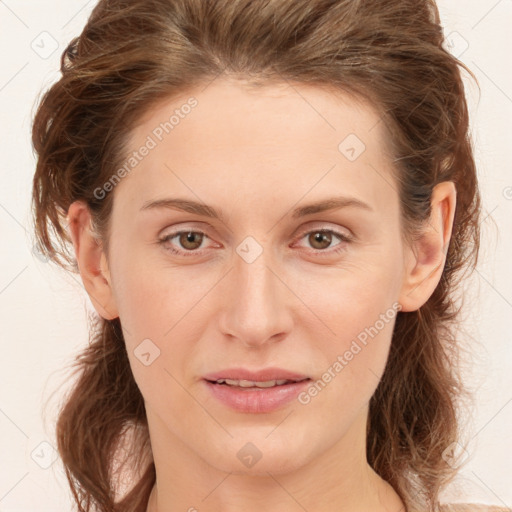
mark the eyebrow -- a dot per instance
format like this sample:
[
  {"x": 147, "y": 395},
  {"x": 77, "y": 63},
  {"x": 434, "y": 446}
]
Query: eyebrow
[{"x": 186, "y": 205}]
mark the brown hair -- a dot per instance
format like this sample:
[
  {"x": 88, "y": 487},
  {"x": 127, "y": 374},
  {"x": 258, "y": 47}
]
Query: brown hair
[{"x": 130, "y": 56}]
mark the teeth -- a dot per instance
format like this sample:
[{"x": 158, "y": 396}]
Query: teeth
[{"x": 252, "y": 384}]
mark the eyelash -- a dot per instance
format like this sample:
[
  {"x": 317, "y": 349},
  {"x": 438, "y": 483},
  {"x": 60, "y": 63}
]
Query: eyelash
[{"x": 342, "y": 237}]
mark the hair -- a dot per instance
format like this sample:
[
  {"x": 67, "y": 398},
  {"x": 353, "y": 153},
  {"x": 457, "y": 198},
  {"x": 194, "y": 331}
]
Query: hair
[{"x": 130, "y": 56}]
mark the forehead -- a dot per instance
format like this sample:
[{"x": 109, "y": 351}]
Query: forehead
[{"x": 228, "y": 141}]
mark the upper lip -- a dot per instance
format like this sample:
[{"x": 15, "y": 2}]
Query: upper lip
[{"x": 262, "y": 375}]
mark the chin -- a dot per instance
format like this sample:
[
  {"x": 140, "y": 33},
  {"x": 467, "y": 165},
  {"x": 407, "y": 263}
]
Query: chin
[{"x": 259, "y": 458}]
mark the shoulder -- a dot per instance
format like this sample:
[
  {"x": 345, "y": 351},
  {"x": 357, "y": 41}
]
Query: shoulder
[{"x": 471, "y": 507}]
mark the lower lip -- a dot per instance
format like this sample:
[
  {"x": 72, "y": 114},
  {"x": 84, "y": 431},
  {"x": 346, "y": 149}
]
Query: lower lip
[{"x": 257, "y": 400}]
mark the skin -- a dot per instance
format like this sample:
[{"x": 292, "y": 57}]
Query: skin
[{"x": 256, "y": 155}]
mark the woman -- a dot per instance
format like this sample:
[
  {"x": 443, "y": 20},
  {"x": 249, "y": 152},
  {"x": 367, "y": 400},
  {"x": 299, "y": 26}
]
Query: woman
[{"x": 270, "y": 204}]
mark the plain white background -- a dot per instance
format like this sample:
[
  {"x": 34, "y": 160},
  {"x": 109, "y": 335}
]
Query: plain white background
[{"x": 43, "y": 311}]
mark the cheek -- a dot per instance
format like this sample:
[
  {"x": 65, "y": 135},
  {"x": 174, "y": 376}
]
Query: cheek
[
  {"x": 357, "y": 313},
  {"x": 352, "y": 299},
  {"x": 355, "y": 361},
  {"x": 160, "y": 308},
  {"x": 143, "y": 293}
]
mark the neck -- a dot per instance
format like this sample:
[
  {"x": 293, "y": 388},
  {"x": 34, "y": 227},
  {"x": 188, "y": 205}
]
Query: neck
[
  {"x": 338, "y": 480},
  {"x": 385, "y": 499}
]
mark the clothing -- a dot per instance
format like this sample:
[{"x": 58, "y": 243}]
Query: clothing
[{"x": 472, "y": 507}]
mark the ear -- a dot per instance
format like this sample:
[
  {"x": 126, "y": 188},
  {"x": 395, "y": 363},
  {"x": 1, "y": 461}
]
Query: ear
[
  {"x": 91, "y": 260},
  {"x": 426, "y": 259}
]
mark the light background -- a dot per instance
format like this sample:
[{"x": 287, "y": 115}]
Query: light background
[{"x": 43, "y": 311}]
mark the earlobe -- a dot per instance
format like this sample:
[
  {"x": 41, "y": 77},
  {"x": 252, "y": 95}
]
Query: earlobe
[
  {"x": 91, "y": 260},
  {"x": 426, "y": 259}
]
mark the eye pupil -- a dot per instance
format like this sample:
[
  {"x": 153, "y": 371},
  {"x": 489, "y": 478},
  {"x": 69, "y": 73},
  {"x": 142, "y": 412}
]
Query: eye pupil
[
  {"x": 188, "y": 238},
  {"x": 320, "y": 237}
]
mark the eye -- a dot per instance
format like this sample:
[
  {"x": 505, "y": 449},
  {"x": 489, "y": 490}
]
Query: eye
[
  {"x": 321, "y": 239},
  {"x": 191, "y": 241},
  {"x": 188, "y": 239}
]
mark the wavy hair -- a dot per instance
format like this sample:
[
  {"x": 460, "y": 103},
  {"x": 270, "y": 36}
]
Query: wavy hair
[{"x": 133, "y": 54}]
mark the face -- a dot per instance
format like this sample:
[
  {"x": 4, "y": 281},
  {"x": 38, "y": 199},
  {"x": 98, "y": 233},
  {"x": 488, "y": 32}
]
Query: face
[{"x": 267, "y": 282}]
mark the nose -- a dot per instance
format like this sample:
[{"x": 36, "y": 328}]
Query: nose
[{"x": 256, "y": 301}]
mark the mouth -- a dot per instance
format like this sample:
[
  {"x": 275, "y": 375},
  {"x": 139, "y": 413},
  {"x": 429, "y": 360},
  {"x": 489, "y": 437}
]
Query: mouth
[
  {"x": 256, "y": 397},
  {"x": 255, "y": 385}
]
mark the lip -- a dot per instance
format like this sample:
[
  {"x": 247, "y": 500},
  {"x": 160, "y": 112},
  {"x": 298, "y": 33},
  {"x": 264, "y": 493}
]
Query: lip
[
  {"x": 259, "y": 400},
  {"x": 255, "y": 375}
]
